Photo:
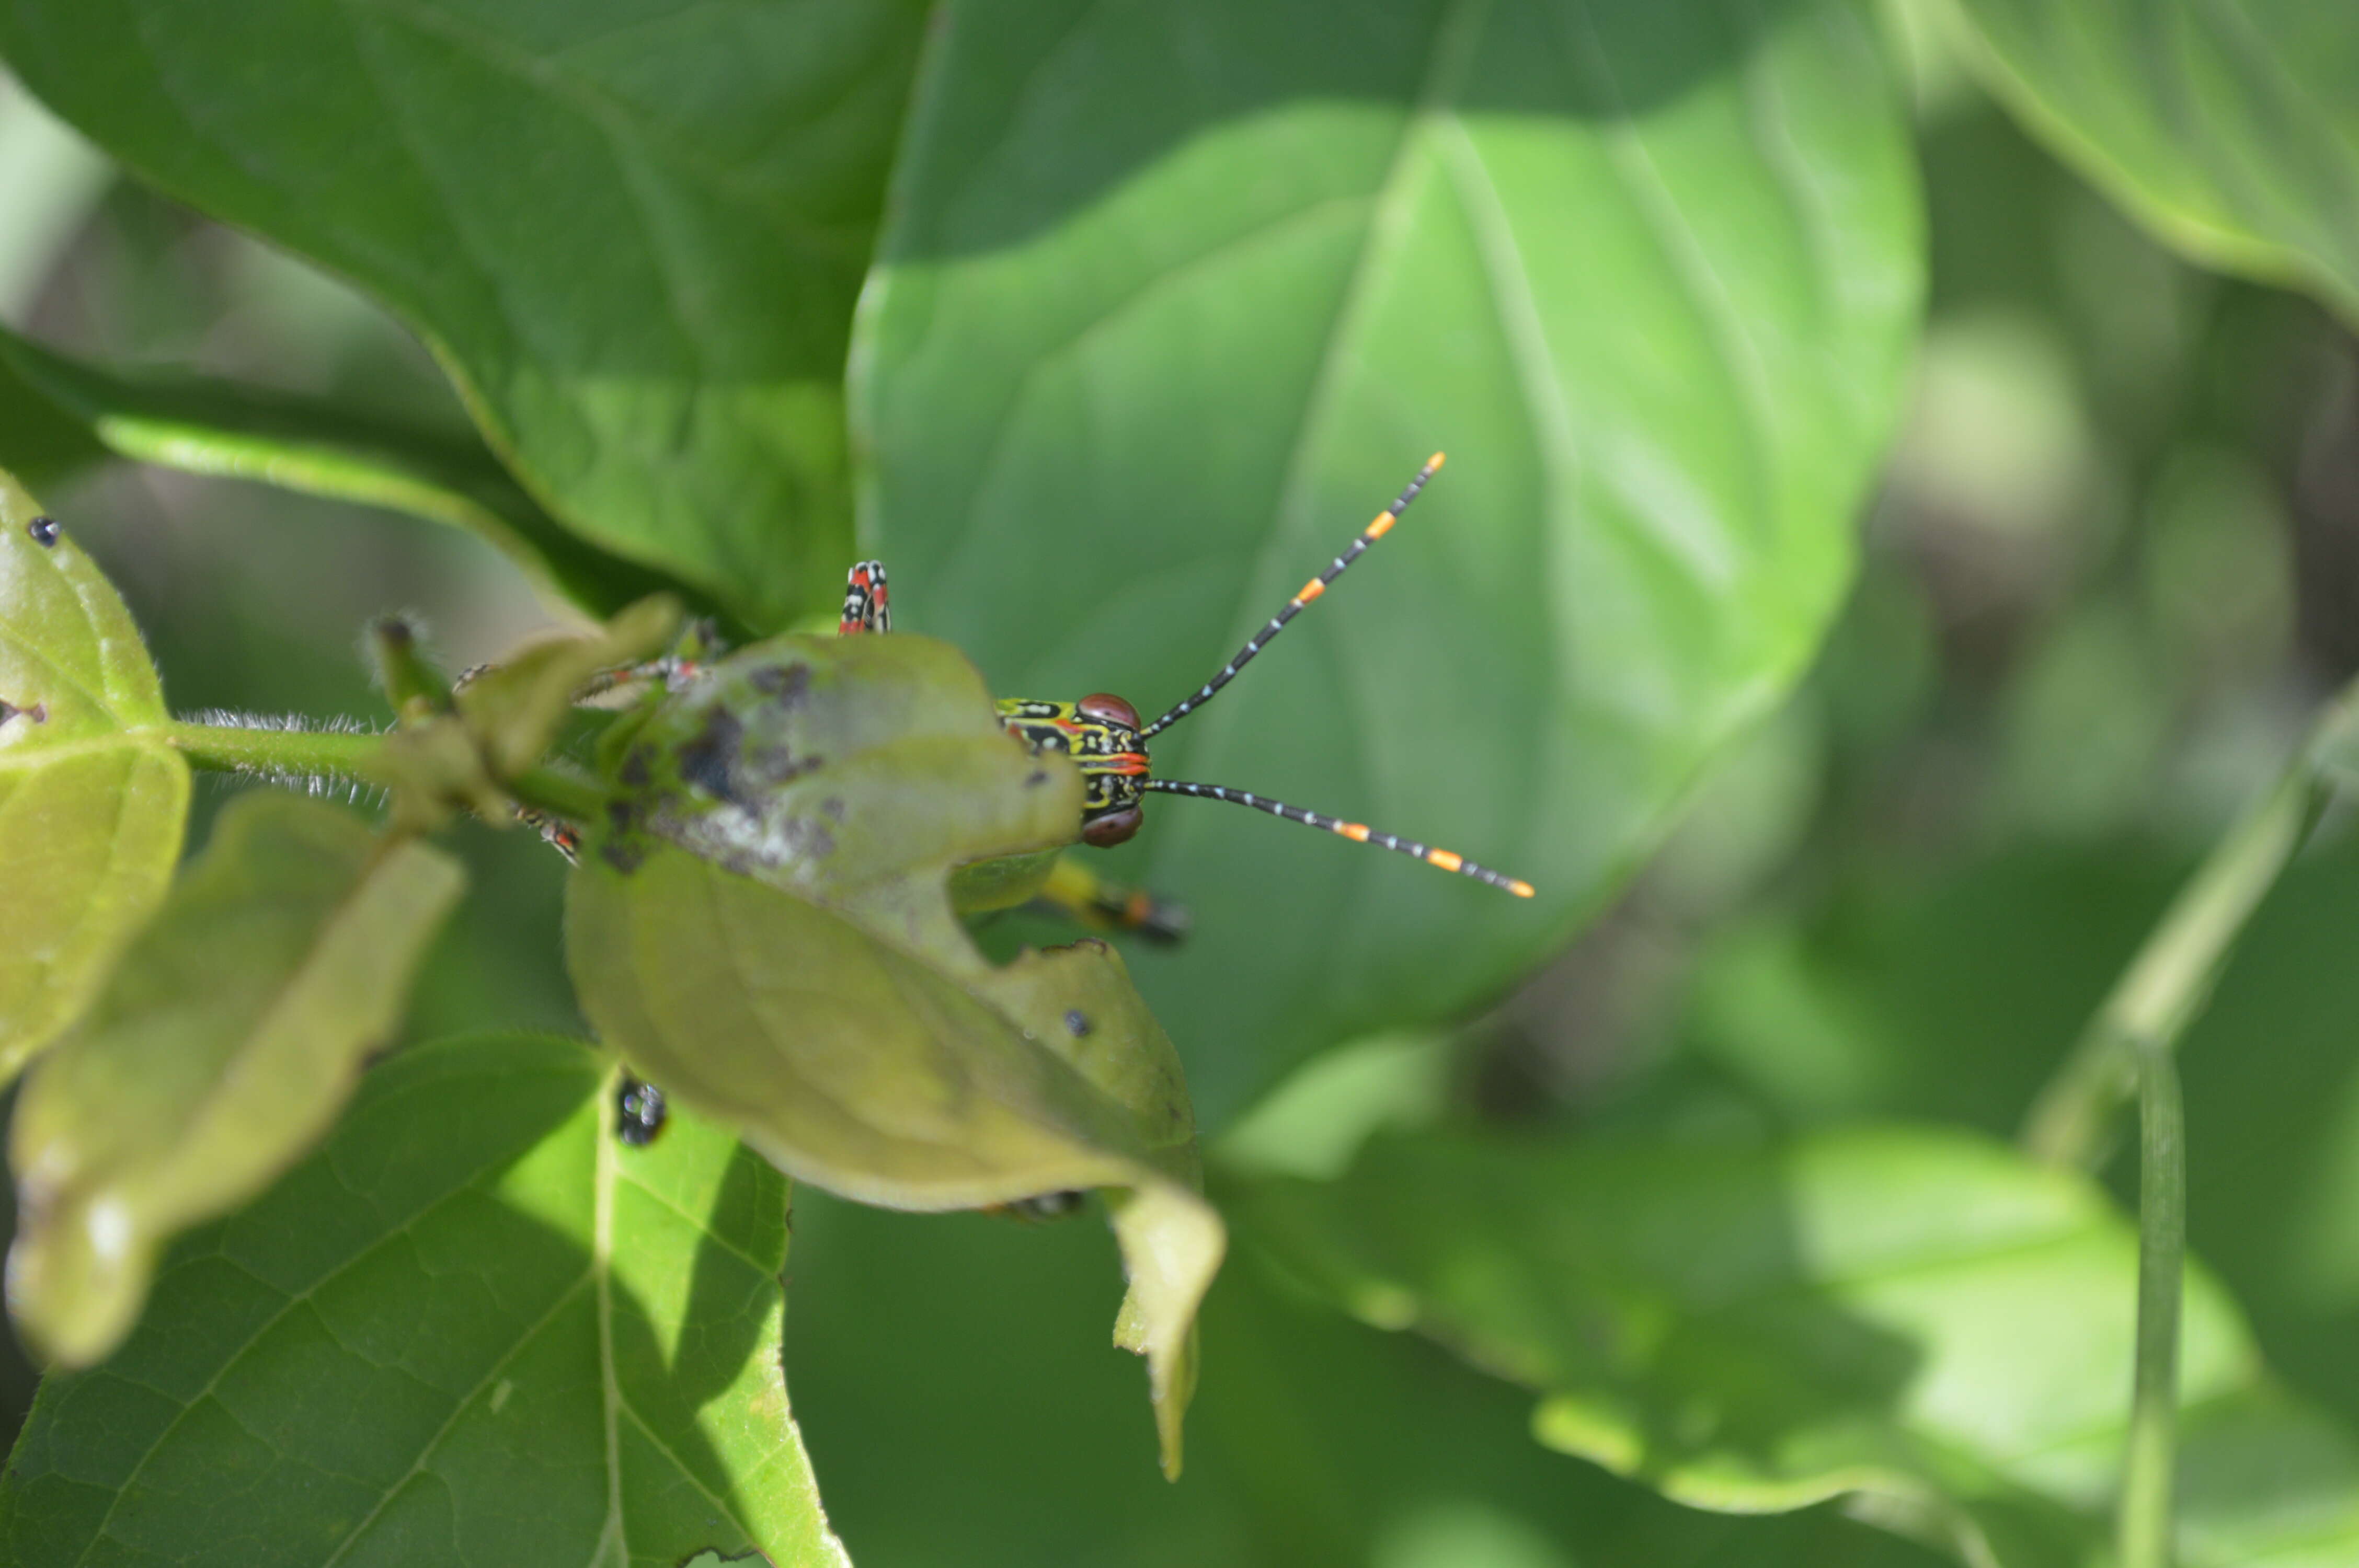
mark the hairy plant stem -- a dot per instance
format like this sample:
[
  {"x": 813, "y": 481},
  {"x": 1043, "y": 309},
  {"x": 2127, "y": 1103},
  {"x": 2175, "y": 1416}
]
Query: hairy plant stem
[
  {"x": 226, "y": 747},
  {"x": 341, "y": 755},
  {"x": 2145, "y": 1527}
]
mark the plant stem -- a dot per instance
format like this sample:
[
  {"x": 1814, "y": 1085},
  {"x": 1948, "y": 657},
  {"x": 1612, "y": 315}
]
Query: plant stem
[
  {"x": 2146, "y": 1523},
  {"x": 559, "y": 793},
  {"x": 2170, "y": 979},
  {"x": 236, "y": 749},
  {"x": 2130, "y": 1042},
  {"x": 341, "y": 753}
]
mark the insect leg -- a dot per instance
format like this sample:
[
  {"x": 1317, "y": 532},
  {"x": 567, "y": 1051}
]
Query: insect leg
[
  {"x": 867, "y": 607},
  {"x": 1088, "y": 900}
]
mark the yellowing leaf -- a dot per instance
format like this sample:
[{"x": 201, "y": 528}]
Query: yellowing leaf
[
  {"x": 92, "y": 803},
  {"x": 222, "y": 1048}
]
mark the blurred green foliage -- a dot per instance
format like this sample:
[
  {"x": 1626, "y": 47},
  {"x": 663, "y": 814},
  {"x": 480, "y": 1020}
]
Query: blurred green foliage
[{"x": 1163, "y": 308}]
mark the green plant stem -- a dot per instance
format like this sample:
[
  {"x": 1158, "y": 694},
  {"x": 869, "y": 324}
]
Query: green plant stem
[
  {"x": 343, "y": 754},
  {"x": 2130, "y": 1044},
  {"x": 2170, "y": 979},
  {"x": 559, "y": 793},
  {"x": 2147, "y": 1489},
  {"x": 225, "y": 747}
]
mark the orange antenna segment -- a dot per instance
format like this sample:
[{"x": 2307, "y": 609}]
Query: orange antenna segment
[
  {"x": 1358, "y": 832},
  {"x": 1310, "y": 591}
]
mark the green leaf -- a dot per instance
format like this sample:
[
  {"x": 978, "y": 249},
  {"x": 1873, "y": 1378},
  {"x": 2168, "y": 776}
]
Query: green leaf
[
  {"x": 205, "y": 425},
  {"x": 91, "y": 805},
  {"x": 1146, "y": 345},
  {"x": 473, "y": 1329},
  {"x": 633, "y": 234},
  {"x": 1316, "y": 1444},
  {"x": 1919, "y": 1318},
  {"x": 39, "y": 443},
  {"x": 515, "y": 708},
  {"x": 800, "y": 977},
  {"x": 2231, "y": 132},
  {"x": 224, "y": 1046},
  {"x": 1876, "y": 1004}
]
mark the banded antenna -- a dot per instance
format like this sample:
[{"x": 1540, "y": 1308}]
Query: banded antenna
[{"x": 1357, "y": 831}]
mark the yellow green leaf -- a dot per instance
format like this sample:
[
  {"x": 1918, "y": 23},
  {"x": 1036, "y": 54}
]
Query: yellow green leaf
[
  {"x": 92, "y": 801},
  {"x": 224, "y": 1047}
]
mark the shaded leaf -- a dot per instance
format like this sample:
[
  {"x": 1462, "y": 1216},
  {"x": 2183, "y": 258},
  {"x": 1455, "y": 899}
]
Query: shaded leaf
[
  {"x": 800, "y": 977},
  {"x": 472, "y": 1328},
  {"x": 206, "y": 425},
  {"x": 92, "y": 803},
  {"x": 2232, "y": 130},
  {"x": 1919, "y": 1318},
  {"x": 224, "y": 1047},
  {"x": 1316, "y": 1444},
  {"x": 1146, "y": 345},
  {"x": 633, "y": 234},
  {"x": 39, "y": 443}
]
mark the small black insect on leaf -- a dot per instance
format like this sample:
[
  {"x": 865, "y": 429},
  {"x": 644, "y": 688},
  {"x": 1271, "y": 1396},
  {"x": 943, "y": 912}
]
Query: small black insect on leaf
[
  {"x": 44, "y": 531},
  {"x": 638, "y": 1111}
]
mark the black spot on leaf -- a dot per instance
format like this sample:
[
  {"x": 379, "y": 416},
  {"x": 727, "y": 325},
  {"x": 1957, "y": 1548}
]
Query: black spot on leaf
[
  {"x": 709, "y": 759},
  {"x": 785, "y": 687}
]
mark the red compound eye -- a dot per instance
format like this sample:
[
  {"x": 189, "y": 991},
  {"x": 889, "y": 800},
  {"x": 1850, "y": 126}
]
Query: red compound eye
[
  {"x": 1107, "y": 708},
  {"x": 1114, "y": 828}
]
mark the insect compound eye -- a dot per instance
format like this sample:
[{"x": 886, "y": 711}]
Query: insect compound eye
[
  {"x": 1107, "y": 708},
  {"x": 1114, "y": 828}
]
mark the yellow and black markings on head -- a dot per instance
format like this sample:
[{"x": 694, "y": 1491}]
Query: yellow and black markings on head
[{"x": 1102, "y": 735}]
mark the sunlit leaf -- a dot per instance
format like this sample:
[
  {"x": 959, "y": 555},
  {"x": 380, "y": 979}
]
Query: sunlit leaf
[
  {"x": 224, "y": 1047},
  {"x": 2232, "y": 130},
  {"x": 91, "y": 804},
  {"x": 1869, "y": 1005},
  {"x": 210, "y": 427},
  {"x": 473, "y": 1328},
  {"x": 800, "y": 977},
  {"x": 1175, "y": 298},
  {"x": 634, "y": 233},
  {"x": 1920, "y": 1319}
]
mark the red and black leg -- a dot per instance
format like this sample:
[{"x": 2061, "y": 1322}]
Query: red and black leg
[{"x": 867, "y": 607}]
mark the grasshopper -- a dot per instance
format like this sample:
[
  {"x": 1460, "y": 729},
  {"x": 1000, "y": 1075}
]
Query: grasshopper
[{"x": 1103, "y": 734}]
